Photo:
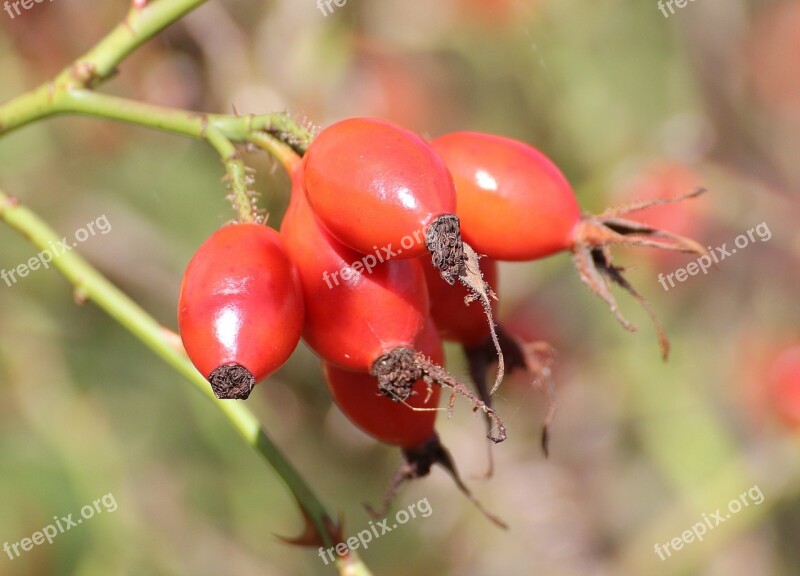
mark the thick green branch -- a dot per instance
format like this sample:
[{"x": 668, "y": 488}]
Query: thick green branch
[
  {"x": 217, "y": 129},
  {"x": 44, "y": 102},
  {"x": 71, "y": 93},
  {"x": 97, "y": 65},
  {"x": 91, "y": 285}
]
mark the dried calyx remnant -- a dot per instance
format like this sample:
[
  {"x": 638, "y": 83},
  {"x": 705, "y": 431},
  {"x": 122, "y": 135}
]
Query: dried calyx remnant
[
  {"x": 534, "y": 358},
  {"x": 417, "y": 463},
  {"x": 232, "y": 382},
  {"x": 456, "y": 260},
  {"x": 592, "y": 255},
  {"x": 443, "y": 240},
  {"x": 400, "y": 368}
]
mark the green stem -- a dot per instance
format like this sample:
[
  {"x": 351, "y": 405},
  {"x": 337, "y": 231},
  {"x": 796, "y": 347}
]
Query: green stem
[
  {"x": 140, "y": 24},
  {"x": 47, "y": 101},
  {"x": 90, "y": 284},
  {"x": 71, "y": 93},
  {"x": 97, "y": 65},
  {"x": 243, "y": 200},
  {"x": 280, "y": 151},
  {"x": 217, "y": 129}
]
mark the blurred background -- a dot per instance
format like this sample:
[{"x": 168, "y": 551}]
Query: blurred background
[{"x": 629, "y": 103}]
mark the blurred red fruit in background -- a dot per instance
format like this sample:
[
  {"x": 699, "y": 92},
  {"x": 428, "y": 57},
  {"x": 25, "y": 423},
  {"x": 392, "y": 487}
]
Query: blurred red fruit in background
[
  {"x": 667, "y": 179},
  {"x": 774, "y": 57},
  {"x": 783, "y": 386}
]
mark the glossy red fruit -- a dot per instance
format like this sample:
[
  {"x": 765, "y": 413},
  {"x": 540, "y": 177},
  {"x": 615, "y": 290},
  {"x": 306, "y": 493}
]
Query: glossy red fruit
[
  {"x": 381, "y": 417},
  {"x": 357, "y": 308},
  {"x": 376, "y": 186},
  {"x": 363, "y": 314},
  {"x": 398, "y": 423},
  {"x": 513, "y": 202},
  {"x": 783, "y": 385},
  {"x": 455, "y": 322},
  {"x": 240, "y": 310}
]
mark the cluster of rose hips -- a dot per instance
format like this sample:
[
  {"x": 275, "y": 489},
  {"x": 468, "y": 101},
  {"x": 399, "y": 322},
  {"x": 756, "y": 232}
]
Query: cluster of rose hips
[{"x": 415, "y": 230}]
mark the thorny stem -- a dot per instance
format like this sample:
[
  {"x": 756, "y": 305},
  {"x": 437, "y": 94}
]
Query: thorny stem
[
  {"x": 47, "y": 101},
  {"x": 91, "y": 285},
  {"x": 71, "y": 92},
  {"x": 220, "y": 131},
  {"x": 285, "y": 154},
  {"x": 143, "y": 21},
  {"x": 243, "y": 199}
]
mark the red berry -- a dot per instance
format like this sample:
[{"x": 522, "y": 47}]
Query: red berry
[
  {"x": 783, "y": 384},
  {"x": 399, "y": 423},
  {"x": 513, "y": 202},
  {"x": 383, "y": 191},
  {"x": 353, "y": 314},
  {"x": 240, "y": 311},
  {"x": 363, "y": 314},
  {"x": 383, "y": 418},
  {"x": 375, "y": 185}
]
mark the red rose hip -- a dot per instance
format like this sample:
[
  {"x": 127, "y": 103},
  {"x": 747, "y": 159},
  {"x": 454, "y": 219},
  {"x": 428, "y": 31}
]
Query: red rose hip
[
  {"x": 375, "y": 185},
  {"x": 382, "y": 417},
  {"x": 515, "y": 204},
  {"x": 361, "y": 314},
  {"x": 240, "y": 310}
]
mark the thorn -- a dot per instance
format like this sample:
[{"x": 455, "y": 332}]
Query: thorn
[{"x": 311, "y": 537}]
